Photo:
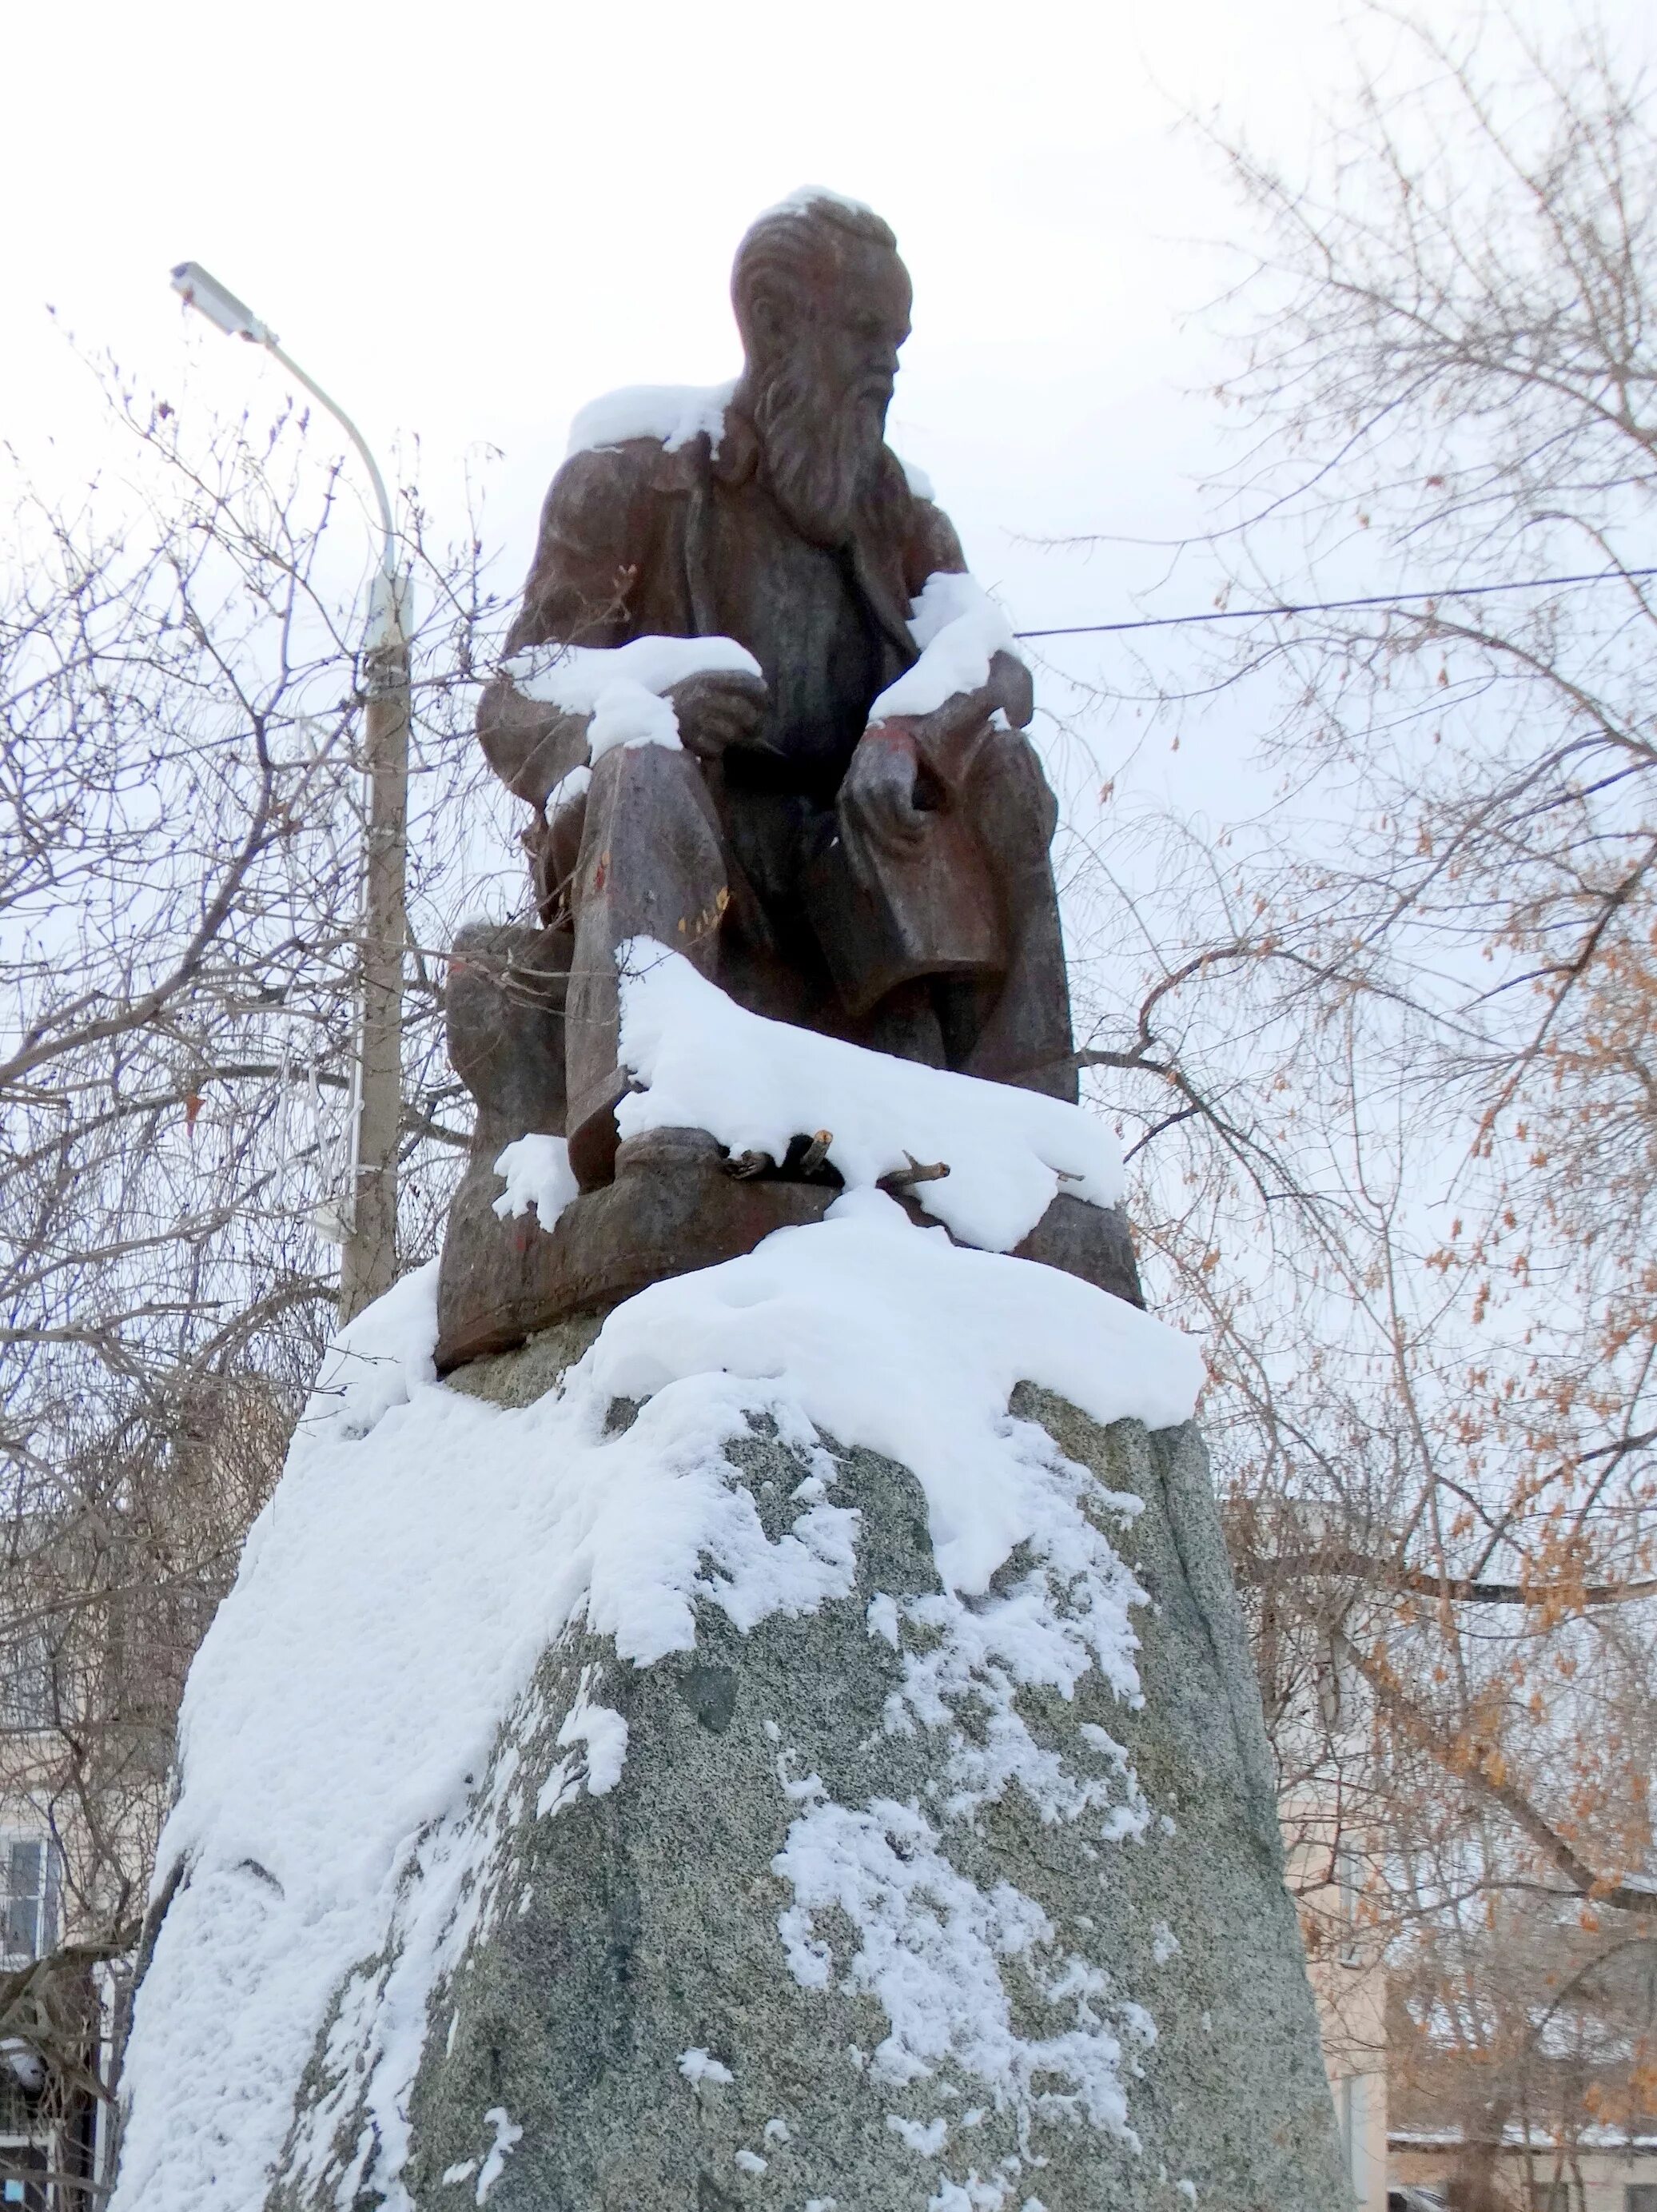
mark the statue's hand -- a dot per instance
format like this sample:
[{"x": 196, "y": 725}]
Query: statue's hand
[
  {"x": 877, "y": 796},
  {"x": 717, "y": 709},
  {"x": 1008, "y": 691}
]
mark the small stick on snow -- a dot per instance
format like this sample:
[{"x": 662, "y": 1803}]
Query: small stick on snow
[
  {"x": 899, "y": 1179},
  {"x": 816, "y": 1151}
]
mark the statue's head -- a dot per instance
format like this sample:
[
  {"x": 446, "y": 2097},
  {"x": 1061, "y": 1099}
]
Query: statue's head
[{"x": 823, "y": 303}]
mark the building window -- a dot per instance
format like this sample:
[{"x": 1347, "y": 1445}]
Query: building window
[
  {"x": 23, "y": 2176},
  {"x": 28, "y": 1898},
  {"x": 23, "y": 2168},
  {"x": 26, "y": 1684}
]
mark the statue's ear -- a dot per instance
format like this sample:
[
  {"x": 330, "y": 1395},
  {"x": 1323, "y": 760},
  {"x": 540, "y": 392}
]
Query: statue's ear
[{"x": 768, "y": 320}]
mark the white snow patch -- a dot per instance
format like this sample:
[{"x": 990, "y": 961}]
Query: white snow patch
[
  {"x": 930, "y": 1944},
  {"x": 604, "y": 1732},
  {"x": 507, "y": 2135},
  {"x": 707, "y": 1063},
  {"x": 926, "y": 2140},
  {"x": 568, "y": 788},
  {"x": 1188, "y": 2189},
  {"x": 698, "y": 2065},
  {"x": 537, "y": 1174},
  {"x": 1164, "y": 1943},
  {"x": 672, "y": 413},
  {"x": 971, "y": 2195},
  {"x": 462, "y": 2171},
  {"x": 623, "y": 687},
  {"x": 959, "y": 629},
  {"x": 751, "y": 2162},
  {"x": 890, "y": 1336},
  {"x": 778, "y": 2130},
  {"x": 376, "y": 1362},
  {"x": 882, "y": 1617}
]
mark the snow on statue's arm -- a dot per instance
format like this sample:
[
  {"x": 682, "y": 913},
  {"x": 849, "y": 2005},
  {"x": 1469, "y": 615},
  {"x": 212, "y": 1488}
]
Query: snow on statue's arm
[
  {"x": 968, "y": 680},
  {"x": 967, "y": 652},
  {"x": 576, "y": 680},
  {"x": 627, "y": 695}
]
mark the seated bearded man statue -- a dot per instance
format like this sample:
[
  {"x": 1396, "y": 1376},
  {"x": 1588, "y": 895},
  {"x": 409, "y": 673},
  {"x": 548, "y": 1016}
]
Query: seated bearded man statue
[{"x": 852, "y": 832}]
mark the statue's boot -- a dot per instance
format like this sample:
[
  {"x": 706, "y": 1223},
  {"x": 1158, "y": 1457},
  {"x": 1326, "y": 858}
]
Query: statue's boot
[
  {"x": 503, "y": 1008},
  {"x": 1021, "y": 1026},
  {"x": 651, "y": 865}
]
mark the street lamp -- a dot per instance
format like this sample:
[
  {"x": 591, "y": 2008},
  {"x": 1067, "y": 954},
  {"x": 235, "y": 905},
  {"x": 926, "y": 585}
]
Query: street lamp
[{"x": 368, "y": 1255}]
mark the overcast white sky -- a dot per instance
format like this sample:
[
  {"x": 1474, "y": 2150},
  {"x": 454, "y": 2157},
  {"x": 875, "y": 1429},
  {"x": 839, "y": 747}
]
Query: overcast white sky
[{"x": 466, "y": 220}]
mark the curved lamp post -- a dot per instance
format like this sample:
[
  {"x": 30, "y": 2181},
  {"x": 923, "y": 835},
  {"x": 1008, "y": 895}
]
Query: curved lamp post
[{"x": 368, "y": 1254}]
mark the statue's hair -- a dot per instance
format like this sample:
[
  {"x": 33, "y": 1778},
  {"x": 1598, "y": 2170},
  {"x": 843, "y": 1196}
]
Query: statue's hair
[{"x": 809, "y": 233}]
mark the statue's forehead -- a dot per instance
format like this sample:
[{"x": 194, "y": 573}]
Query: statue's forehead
[{"x": 871, "y": 274}]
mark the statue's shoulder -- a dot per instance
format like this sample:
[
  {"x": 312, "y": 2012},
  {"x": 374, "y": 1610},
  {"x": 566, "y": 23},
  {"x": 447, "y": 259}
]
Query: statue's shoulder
[{"x": 648, "y": 437}]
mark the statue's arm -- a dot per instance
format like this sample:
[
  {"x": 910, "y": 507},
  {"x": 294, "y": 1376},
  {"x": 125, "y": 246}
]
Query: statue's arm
[
  {"x": 934, "y": 549},
  {"x": 596, "y": 525},
  {"x": 879, "y": 798}
]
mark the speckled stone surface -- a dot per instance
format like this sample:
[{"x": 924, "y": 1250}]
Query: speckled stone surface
[{"x": 626, "y": 1929}]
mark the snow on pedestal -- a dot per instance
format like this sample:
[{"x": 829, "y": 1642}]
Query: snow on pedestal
[{"x": 805, "y": 1754}]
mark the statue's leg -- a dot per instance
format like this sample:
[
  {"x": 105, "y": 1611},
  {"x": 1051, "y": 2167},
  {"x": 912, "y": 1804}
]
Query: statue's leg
[
  {"x": 504, "y": 1015},
  {"x": 650, "y": 865},
  {"x": 1020, "y": 1032}
]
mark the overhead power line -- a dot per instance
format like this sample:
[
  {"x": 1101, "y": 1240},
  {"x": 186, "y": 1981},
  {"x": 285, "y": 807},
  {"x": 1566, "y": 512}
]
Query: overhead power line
[{"x": 1335, "y": 606}]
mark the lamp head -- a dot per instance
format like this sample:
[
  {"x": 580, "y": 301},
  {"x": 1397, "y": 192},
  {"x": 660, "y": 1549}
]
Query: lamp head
[{"x": 221, "y": 307}]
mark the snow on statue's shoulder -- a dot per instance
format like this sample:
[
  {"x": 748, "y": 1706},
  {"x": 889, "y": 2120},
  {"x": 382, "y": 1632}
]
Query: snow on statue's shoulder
[
  {"x": 706, "y": 1063},
  {"x": 672, "y": 413}
]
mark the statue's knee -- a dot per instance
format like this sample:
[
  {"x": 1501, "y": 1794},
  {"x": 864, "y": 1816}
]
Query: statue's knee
[
  {"x": 1014, "y": 805},
  {"x": 649, "y": 817},
  {"x": 657, "y": 776}
]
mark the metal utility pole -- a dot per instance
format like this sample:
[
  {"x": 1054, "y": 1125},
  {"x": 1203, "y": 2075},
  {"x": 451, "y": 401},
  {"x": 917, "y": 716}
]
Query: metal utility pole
[
  {"x": 369, "y": 1254},
  {"x": 367, "y": 1265}
]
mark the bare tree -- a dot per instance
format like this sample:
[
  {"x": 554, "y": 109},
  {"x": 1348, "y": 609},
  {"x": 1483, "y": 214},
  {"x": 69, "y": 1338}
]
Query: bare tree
[
  {"x": 180, "y": 841},
  {"x": 1391, "y": 1054}
]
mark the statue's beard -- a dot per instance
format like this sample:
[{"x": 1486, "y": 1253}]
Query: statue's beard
[{"x": 819, "y": 449}]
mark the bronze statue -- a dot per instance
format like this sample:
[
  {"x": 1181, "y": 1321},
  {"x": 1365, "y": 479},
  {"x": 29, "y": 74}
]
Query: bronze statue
[{"x": 885, "y": 881}]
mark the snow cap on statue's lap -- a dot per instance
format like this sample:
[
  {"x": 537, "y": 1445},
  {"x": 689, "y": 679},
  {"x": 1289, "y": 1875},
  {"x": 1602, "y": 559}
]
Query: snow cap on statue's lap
[{"x": 706, "y": 1063}]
